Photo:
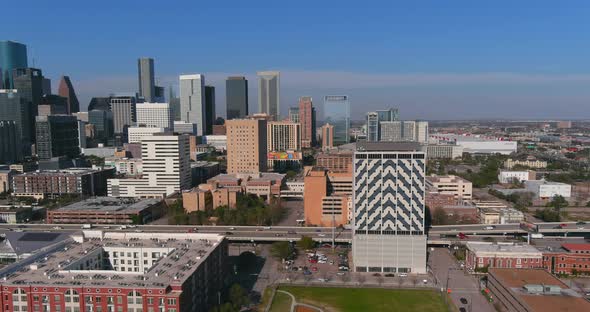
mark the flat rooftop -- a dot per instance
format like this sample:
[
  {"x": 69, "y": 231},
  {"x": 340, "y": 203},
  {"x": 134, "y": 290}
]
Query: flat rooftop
[
  {"x": 494, "y": 248},
  {"x": 446, "y": 179},
  {"x": 110, "y": 204},
  {"x": 72, "y": 171},
  {"x": 178, "y": 255},
  {"x": 388, "y": 146}
]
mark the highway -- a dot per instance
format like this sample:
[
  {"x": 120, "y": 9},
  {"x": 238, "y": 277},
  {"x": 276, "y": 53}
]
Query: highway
[{"x": 293, "y": 233}]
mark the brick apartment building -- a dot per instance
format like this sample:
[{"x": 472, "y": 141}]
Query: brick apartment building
[
  {"x": 335, "y": 161},
  {"x": 567, "y": 259},
  {"x": 502, "y": 255}
]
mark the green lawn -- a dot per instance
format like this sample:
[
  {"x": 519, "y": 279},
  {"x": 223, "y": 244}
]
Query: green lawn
[
  {"x": 281, "y": 303},
  {"x": 369, "y": 299}
]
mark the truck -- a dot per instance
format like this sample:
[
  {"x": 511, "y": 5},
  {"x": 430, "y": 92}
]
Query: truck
[
  {"x": 86, "y": 226},
  {"x": 536, "y": 235}
]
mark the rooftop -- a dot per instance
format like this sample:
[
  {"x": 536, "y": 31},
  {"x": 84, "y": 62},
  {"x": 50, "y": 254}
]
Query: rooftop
[
  {"x": 111, "y": 204},
  {"x": 388, "y": 146},
  {"x": 73, "y": 171},
  {"x": 446, "y": 179},
  {"x": 494, "y": 248},
  {"x": 172, "y": 258}
]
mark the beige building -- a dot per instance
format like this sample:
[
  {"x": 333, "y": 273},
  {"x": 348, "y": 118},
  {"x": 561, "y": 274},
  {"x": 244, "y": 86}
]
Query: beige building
[
  {"x": 460, "y": 188},
  {"x": 530, "y": 163},
  {"x": 327, "y": 137},
  {"x": 326, "y": 204},
  {"x": 246, "y": 145},
  {"x": 6, "y": 180},
  {"x": 283, "y": 136}
]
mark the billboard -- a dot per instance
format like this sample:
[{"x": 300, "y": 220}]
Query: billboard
[{"x": 284, "y": 155}]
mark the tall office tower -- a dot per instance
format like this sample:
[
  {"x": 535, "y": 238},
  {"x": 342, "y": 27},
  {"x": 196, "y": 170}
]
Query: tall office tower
[
  {"x": 100, "y": 103},
  {"x": 124, "y": 114},
  {"x": 10, "y": 151},
  {"x": 29, "y": 83},
  {"x": 407, "y": 130},
  {"x": 46, "y": 86},
  {"x": 421, "y": 131},
  {"x": 388, "y": 202},
  {"x": 166, "y": 168},
  {"x": 306, "y": 115},
  {"x": 283, "y": 136},
  {"x": 66, "y": 89},
  {"x": 13, "y": 55},
  {"x": 294, "y": 114},
  {"x": 327, "y": 137},
  {"x": 372, "y": 127},
  {"x": 82, "y": 133},
  {"x": 174, "y": 104},
  {"x": 52, "y": 104},
  {"x": 159, "y": 96},
  {"x": 246, "y": 145},
  {"x": 337, "y": 113},
  {"x": 154, "y": 115},
  {"x": 209, "y": 108},
  {"x": 391, "y": 114},
  {"x": 146, "y": 78},
  {"x": 269, "y": 93},
  {"x": 11, "y": 109},
  {"x": 236, "y": 97},
  {"x": 103, "y": 125},
  {"x": 192, "y": 101},
  {"x": 57, "y": 135}
]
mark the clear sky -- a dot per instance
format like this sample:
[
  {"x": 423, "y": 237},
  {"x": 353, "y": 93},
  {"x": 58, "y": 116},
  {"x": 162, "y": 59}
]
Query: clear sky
[{"x": 432, "y": 59}]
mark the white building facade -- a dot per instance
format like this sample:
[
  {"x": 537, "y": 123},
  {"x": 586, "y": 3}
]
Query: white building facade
[
  {"x": 192, "y": 101},
  {"x": 134, "y": 134},
  {"x": 506, "y": 176},
  {"x": 154, "y": 115},
  {"x": 547, "y": 190}
]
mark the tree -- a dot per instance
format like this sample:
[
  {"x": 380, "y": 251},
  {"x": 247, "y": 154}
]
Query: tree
[
  {"x": 226, "y": 307},
  {"x": 361, "y": 278},
  {"x": 238, "y": 296},
  {"x": 306, "y": 243},
  {"x": 439, "y": 217},
  {"x": 558, "y": 202},
  {"x": 280, "y": 250}
]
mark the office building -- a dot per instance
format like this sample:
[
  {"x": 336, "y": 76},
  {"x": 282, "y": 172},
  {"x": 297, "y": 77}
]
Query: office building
[
  {"x": 548, "y": 189},
  {"x": 66, "y": 90},
  {"x": 166, "y": 168},
  {"x": 294, "y": 114},
  {"x": 99, "y": 103},
  {"x": 337, "y": 113},
  {"x": 124, "y": 113},
  {"x": 476, "y": 144},
  {"x": 455, "y": 186},
  {"x": 283, "y": 136},
  {"x": 10, "y": 214},
  {"x": 57, "y": 135},
  {"x": 327, "y": 137},
  {"x": 107, "y": 210},
  {"x": 55, "y": 183},
  {"x": 404, "y": 131},
  {"x": 10, "y": 151},
  {"x": 391, "y": 114},
  {"x": 307, "y": 121},
  {"x": 193, "y": 101},
  {"x": 444, "y": 151},
  {"x": 219, "y": 142},
  {"x": 114, "y": 271},
  {"x": 13, "y": 55},
  {"x": 337, "y": 161},
  {"x": 569, "y": 258},
  {"x": 185, "y": 127},
  {"x": 269, "y": 93},
  {"x": 219, "y": 130},
  {"x": 52, "y": 104},
  {"x": 236, "y": 97},
  {"x": 125, "y": 166},
  {"x": 159, "y": 96},
  {"x": 146, "y": 78},
  {"x": 102, "y": 120},
  {"x": 246, "y": 145},
  {"x": 325, "y": 201},
  {"x": 372, "y": 127},
  {"x": 209, "y": 109},
  {"x": 154, "y": 115},
  {"x": 502, "y": 255},
  {"x": 388, "y": 200},
  {"x": 28, "y": 82},
  {"x": 528, "y": 163},
  {"x": 510, "y": 176},
  {"x": 46, "y": 86}
]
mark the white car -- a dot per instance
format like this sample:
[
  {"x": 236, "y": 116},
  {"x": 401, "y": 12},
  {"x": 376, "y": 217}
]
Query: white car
[
  {"x": 403, "y": 275},
  {"x": 322, "y": 235},
  {"x": 232, "y": 228}
]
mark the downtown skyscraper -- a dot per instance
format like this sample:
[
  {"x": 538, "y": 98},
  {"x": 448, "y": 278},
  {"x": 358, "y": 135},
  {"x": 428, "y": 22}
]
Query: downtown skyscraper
[
  {"x": 66, "y": 89},
  {"x": 337, "y": 113},
  {"x": 374, "y": 120},
  {"x": 307, "y": 121},
  {"x": 13, "y": 55},
  {"x": 269, "y": 86},
  {"x": 193, "y": 101},
  {"x": 389, "y": 208},
  {"x": 236, "y": 97},
  {"x": 146, "y": 78}
]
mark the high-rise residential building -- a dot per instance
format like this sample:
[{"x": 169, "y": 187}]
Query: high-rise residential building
[
  {"x": 337, "y": 113},
  {"x": 192, "y": 101},
  {"x": 102, "y": 120},
  {"x": 29, "y": 83},
  {"x": 374, "y": 120},
  {"x": 13, "y": 55},
  {"x": 269, "y": 93},
  {"x": 124, "y": 112},
  {"x": 283, "y": 136},
  {"x": 209, "y": 108},
  {"x": 166, "y": 168},
  {"x": 294, "y": 114},
  {"x": 66, "y": 89},
  {"x": 236, "y": 97},
  {"x": 306, "y": 118},
  {"x": 146, "y": 78},
  {"x": 389, "y": 208},
  {"x": 10, "y": 151},
  {"x": 327, "y": 136},
  {"x": 154, "y": 115},
  {"x": 246, "y": 145},
  {"x": 400, "y": 131},
  {"x": 57, "y": 135}
]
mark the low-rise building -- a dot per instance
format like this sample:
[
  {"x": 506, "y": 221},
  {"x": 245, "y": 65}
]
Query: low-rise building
[
  {"x": 107, "y": 210},
  {"x": 443, "y": 151},
  {"x": 500, "y": 215},
  {"x": 293, "y": 189},
  {"x": 509, "y": 176},
  {"x": 335, "y": 161},
  {"x": 529, "y": 163},
  {"x": 547, "y": 190},
  {"x": 201, "y": 171},
  {"x": 502, "y": 255},
  {"x": 532, "y": 290},
  {"x": 326, "y": 203},
  {"x": 6, "y": 180},
  {"x": 17, "y": 246},
  {"x": 125, "y": 166},
  {"x": 197, "y": 200},
  {"x": 217, "y": 141},
  {"x": 11, "y": 214},
  {"x": 460, "y": 188},
  {"x": 567, "y": 259}
]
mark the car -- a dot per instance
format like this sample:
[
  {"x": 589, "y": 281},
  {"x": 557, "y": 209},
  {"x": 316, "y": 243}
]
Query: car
[
  {"x": 267, "y": 227},
  {"x": 340, "y": 273},
  {"x": 318, "y": 230},
  {"x": 122, "y": 227},
  {"x": 489, "y": 227},
  {"x": 463, "y": 300},
  {"x": 315, "y": 269},
  {"x": 313, "y": 260},
  {"x": 462, "y": 309},
  {"x": 106, "y": 227},
  {"x": 278, "y": 234},
  {"x": 580, "y": 227},
  {"x": 291, "y": 232},
  {"x": 57, "y": 228},
  {"x": 229, "y": 233},
  {"x": 376, "y": 274},
  {"x": 580, "y": 223},
  {"x": 389, "y": 275},
  {"x": 232, "y": 228},
  {"x": 323, "y": 280},
  {"x": 322, "y": 235},
  {"x": 403, "y": 275},
  {"x": 306, "y": 273},
  {"x": 563, "y": 225},
  {"x": 331, "y": 262}
]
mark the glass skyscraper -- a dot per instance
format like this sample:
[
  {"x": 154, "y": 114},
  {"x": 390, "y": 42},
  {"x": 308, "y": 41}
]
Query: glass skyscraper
[
  {"x": 374, "y": 120},
  {"x": 337, "y": 113},
  {"x": 145, "y": 73},
  {"x": 269, "y": 93},
  {"x": 13, "y": 55},
  {"x": 236, "y": 96}
]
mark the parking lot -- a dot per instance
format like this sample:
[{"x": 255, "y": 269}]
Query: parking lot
[{"x": 322, "y": 264}]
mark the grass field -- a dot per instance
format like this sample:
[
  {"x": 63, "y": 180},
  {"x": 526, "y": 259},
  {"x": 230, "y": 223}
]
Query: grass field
[
  {"x": 281, "y": 303},
  {"x": 369, "y": 299}
]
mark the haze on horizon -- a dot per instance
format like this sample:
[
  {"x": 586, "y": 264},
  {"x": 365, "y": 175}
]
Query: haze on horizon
[{"x": 433, "y": 60}]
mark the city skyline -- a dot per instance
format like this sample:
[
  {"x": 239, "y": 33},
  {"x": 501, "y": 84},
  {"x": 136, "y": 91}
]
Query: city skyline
[{"x": 455, "y": 61}]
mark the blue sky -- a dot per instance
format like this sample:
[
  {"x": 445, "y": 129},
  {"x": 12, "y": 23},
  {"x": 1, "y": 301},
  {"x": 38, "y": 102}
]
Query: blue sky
[{"x": 432, "y": 59}]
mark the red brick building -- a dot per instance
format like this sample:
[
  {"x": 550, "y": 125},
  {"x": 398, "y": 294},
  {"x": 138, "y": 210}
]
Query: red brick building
[
  {"x": 502, "y": 255},
  {"x": 567, "y": 259},
  {"x": 306, "y": 119}
]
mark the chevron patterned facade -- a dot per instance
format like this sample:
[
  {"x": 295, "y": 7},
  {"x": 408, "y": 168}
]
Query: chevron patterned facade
[{"x": 389, "y": 191}]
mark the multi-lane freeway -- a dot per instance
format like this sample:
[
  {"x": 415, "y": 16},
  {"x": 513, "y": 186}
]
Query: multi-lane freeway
[{"x": 321, "y": 234}]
